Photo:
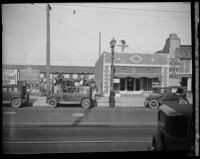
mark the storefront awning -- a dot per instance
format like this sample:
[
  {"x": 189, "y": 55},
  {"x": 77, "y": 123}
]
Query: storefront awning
[{"x": 139, "y": 75}]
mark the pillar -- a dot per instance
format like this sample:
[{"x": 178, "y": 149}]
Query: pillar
[
  {"x": 189, "y": 84},
  {"x": 126, "y": 84}
]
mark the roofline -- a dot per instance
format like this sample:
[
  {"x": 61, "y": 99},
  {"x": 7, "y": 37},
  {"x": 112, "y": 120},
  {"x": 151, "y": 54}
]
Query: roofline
[{"x": 140, "y": 65}]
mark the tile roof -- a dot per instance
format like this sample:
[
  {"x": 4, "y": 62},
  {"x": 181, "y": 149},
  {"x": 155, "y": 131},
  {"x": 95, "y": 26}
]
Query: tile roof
[
  {"x": 137, "y": 58},
  {"x": 54, "y": 69}
]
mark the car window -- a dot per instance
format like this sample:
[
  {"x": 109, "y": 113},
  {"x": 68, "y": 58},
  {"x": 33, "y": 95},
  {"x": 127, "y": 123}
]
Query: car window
[
  {"x": 15, "y": 89},
  {"x": 84, "y": 90},
  {"x": 4, "y": 89},
  {"x": 10, "y": 89},
  {"x": 71, "y": 90}
]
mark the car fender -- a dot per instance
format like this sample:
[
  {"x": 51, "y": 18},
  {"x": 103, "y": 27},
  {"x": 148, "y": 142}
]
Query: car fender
[
  {"x": 15, "y": 97},
  {"x": 180, "y": 98}
]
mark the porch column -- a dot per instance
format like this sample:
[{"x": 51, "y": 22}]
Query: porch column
[
  {"x": 126, "y": 83},
  {"x": 141, "y": 83},
  {"x": 189, "y": 84},
  {"x": 134, "y": 84}
]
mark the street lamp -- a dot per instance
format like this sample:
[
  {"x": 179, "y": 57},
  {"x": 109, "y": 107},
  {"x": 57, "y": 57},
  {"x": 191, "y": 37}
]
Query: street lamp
[{"x": 112, "y": 93}]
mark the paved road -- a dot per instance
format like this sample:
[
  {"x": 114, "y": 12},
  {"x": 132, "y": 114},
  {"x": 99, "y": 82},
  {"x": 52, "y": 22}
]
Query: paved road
[
  {"x": 76, "y": 139},
  {"x": 78, "y": 116},
  {"x": 74, "y": 129}
]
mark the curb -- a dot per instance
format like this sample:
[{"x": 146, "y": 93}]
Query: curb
[{"x": 74, "y": 124}]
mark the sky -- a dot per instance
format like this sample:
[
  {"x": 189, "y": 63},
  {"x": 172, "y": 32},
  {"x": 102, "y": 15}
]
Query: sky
[{"x": 74, "y": 38}]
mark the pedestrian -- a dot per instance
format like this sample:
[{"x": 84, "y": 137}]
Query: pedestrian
[{"x": 45, "y": 88}]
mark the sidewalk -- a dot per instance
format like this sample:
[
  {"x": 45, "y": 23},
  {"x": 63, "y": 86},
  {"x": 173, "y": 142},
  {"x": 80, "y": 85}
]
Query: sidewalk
[{"x": 135, "y": 101}]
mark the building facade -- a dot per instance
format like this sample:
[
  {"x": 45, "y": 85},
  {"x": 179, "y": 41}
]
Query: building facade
[
  {"x": 179, "y": 62},
  {"x": 32, "y": 75},
  {"x": 135, "y": 73}
]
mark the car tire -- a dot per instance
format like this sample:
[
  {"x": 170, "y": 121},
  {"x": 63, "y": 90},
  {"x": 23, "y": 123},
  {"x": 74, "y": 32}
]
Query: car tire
[
  {"x": 153, "y": 104},
  {"x": 52, "y": 103},
  {"x": 86, "y": 103},
  {"x": 16, "y": 102},
  {"x": 183, "y": 101}
]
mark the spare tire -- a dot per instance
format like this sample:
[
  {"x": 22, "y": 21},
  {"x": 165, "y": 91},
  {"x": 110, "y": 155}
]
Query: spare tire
[
  {"x": 52, "y": 103},
  {"x": 154, "y": 104}
]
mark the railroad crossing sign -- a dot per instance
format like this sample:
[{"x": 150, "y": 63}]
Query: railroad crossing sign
[{"x": 123, "y": 45}]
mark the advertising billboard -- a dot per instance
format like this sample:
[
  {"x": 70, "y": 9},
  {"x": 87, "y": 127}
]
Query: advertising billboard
[
  {"x": 9, "y": 76},
  {"x": 29, "y": 75}
]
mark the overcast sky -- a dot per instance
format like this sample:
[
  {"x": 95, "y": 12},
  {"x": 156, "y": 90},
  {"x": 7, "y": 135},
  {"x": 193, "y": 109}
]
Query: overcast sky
[{"x": 75, "y": 37}]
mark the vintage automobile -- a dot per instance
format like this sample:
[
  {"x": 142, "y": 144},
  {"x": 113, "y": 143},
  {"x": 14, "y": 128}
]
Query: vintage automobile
[
  {"x": 74, "y": 95},
  {"x": 175, "y": 128},
  {"x": 166, "y": 95},
  {"x": 16, "y": 95}
]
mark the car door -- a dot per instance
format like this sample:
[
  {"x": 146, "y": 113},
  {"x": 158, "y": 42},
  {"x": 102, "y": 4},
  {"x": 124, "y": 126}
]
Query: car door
[
  {"x": 5, "y": 93},
  {"x": 169, "y": 97}
]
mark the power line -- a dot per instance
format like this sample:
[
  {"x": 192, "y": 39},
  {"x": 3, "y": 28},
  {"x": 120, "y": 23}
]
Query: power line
[
  {"x": 154, "y": 10},
  {"x": 132, "y": 14},
  {"x": 60, "y": 22}
]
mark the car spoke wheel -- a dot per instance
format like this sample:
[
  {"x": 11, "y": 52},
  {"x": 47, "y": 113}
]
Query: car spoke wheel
[
  {"x": 153, "y": 104},
  {"x": 183, "y": 101},
  {"x": 86, "y": 103},
  {"x": 16, "y": 103},
  {"x": 52, "y": 103}
]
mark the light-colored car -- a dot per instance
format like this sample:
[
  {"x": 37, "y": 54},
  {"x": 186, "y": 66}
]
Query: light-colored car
[{"x": 74, "y": 95}]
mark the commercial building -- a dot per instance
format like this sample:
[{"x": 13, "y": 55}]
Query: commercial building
[
  {"x": 135, "y": 73},
  {"x": 33, "y": 74}
]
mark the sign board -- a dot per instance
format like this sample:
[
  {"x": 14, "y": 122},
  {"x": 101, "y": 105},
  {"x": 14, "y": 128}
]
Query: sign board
[
  {"x": 9, "y": 76},
  {"x": 29, "y": 75},
  {"x": 116, "y": 80}
]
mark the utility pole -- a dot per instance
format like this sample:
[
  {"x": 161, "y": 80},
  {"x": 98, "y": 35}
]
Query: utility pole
[
  {"x": 99, "y": 44},
  {"x": 48, "y": 54}
]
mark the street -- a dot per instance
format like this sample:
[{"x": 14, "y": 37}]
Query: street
[{"x": 74, "y": 129}]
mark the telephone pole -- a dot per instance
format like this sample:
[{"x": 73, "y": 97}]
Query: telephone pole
[{"x": 48, "y": 54}]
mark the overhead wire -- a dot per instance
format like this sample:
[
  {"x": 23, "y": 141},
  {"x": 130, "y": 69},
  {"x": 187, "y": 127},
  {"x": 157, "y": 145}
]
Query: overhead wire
[
  {"x": 154, "y": 10},
  {"x": 70, "y": 27}
]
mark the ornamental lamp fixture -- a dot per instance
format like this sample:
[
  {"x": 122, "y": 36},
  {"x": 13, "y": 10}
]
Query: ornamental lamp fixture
[{"x": 112, "y": 43}]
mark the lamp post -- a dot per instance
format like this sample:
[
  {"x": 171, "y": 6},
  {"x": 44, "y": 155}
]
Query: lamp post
[{"x": 112, "y": 93}]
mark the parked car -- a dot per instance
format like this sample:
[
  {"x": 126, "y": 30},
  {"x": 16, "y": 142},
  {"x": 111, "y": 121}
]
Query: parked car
[
  {"x": 16, "y": 95},
  {"x": 175, "y": 128},
  {"x": 74, "y": 95},
  {"x": 166, "y": 95}
]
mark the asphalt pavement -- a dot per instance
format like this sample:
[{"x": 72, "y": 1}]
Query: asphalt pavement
[
  {"x": 71, "y": 128},
  {"x": 77, "y": 116},
  {"x": 76, "y": 139}
]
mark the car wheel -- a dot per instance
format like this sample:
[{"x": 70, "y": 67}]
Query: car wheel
[
  {"x": 86, "y": 103},
  {"x": 16, "y": 103},
  {"x": 153, "y": 104},
  {"x": 52, "y": 103},
  {"x": 183, "y": 101}
]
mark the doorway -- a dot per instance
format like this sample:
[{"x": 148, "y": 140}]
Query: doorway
[{"x": 137, "y": 87}]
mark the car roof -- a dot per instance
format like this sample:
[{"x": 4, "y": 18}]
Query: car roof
[
  {"x": 175, "y": 109},
  {"x": 11, "y": 85}
]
